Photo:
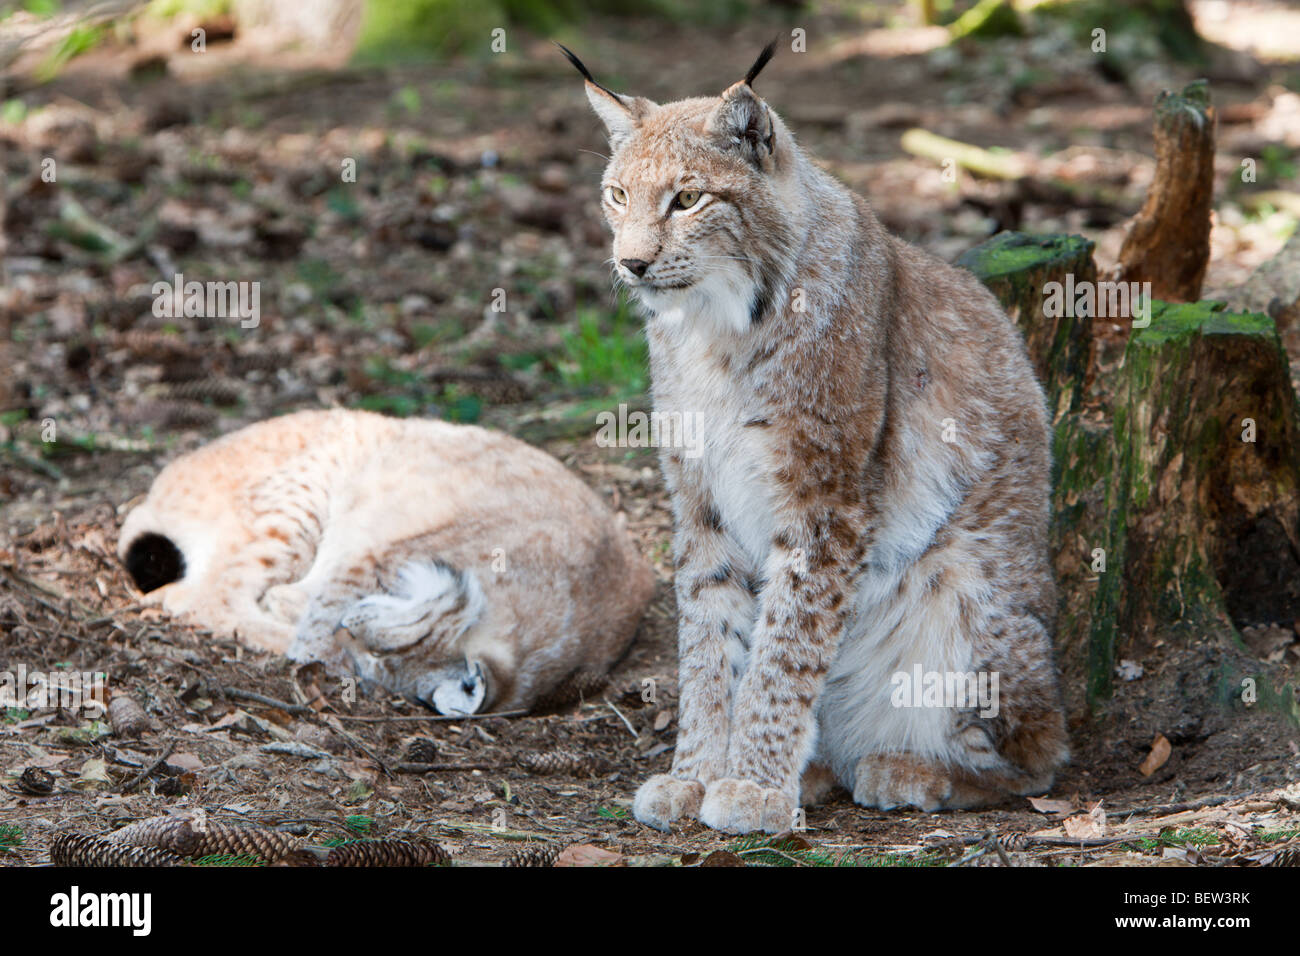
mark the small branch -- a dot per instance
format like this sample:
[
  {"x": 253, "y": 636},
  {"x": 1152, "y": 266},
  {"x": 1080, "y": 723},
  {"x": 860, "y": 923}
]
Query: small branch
[
  {"x": 626, "y": 723},
  {"x": 144, "y": 774},
  {"x": 241, "y": 694}
]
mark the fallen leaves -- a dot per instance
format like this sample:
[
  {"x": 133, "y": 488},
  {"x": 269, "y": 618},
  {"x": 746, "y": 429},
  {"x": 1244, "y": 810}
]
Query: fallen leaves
[
  {"x": 1160, "y": 751},
  {"x": 587, "y": 854},
  {"x": 1087, "y": 826},
  {"x": 1046, "y": 805}
]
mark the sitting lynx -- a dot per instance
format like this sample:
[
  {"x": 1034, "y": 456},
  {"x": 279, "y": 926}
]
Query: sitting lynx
[
  {"x": 871, "y": 504},
  {"x": 444, "y": 562}
]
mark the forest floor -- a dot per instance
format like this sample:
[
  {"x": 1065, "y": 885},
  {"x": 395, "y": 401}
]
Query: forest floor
[{"x": 472, "y": 177}]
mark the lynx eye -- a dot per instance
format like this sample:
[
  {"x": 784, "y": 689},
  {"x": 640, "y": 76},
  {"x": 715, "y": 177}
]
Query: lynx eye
[
  {"x": 617, "y": 196},
  {"x": 687, "y": 198}
]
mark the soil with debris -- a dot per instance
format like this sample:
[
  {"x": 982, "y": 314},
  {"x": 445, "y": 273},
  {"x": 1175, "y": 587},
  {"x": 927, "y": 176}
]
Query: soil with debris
[{"x": 475, "y": 181}]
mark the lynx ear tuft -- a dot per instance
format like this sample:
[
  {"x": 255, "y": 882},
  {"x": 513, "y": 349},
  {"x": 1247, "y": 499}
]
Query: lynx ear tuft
[
  {"x": 768, "y": 52},
  {"x": 618, "y": 113}
]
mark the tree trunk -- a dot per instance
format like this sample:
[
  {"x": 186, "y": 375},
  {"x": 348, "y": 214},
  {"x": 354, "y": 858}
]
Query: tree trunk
[
  {"x": 1168, "y": 244},
  {"x": 1176, "y": 476}
]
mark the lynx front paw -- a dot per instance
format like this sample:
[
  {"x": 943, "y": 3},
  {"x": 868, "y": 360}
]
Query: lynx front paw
[
  {"x": 743, "y": 806},
  {"x": 664, "y": 798}
]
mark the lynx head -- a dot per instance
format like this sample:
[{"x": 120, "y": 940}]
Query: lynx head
[
  {"x": 701, "y": 195},
  {"x": 408, "y": 638}
]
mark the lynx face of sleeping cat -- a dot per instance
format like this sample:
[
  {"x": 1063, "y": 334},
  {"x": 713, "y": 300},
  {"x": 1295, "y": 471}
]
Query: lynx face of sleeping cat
[
  {"x": 445, "y": 563},
  {"x": 872, "y": 499}
]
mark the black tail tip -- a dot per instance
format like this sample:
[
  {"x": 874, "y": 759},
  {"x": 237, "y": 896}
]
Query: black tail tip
[{"x": 154, "y": 560}]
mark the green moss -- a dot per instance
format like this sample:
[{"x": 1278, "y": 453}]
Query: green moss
[
  {"x": 1009, "y": 254},
  {"x": 1175, "y": 320}
]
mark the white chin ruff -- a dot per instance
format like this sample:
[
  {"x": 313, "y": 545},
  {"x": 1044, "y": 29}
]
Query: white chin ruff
[{"x": 721, "y": 300}]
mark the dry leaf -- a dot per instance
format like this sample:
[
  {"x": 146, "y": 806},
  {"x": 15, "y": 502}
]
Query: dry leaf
[
  {"x": 1046, "y": 805},
  {"x": 1160, "y": 751},
  {"x": 1086, "y": 826},
  {"x": 94, "y": 776},
  {"x": 185, "y": 761},
  {"x": 584, "y": 854}
]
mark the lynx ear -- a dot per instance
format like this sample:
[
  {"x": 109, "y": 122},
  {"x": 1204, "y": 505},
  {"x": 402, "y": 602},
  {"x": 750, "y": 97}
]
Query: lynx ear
[
  {"x": 620, "y": 114},
  {"x": 742, "y": 120}
]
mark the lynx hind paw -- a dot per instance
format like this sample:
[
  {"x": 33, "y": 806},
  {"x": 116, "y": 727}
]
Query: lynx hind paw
[
  {"x": 665, "y": 798},
  {"x": 743, "y": 806},
  {"x": 888, "y": 781}
]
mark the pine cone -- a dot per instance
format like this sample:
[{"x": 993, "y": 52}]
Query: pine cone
[
  {"x": 221, "y": 391},
  {"x": 387, "y": 853},
  {"x": 176, "y": 834},
  {"x": 258, "y": 361},
  {"x": 535, "y": 855},
  {"x": 127, "y": 717},
  {"x": 556, "y": 761},
  {"x": 422, "y": 750},
  {"x": 169, "y": 415},
  {"x": 1287, "y": 856},
  {"x": 75, "y": 849},
  {"x": 235, "y": 840},
  {"x": 36, "y": 781},
  {"x": 153, "y": 346},
  {"x": 1013, "y": 842},
  {"x": 300, "y": 857}
]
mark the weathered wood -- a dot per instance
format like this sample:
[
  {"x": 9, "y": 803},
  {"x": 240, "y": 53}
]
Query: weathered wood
[
  {"x": 1168, "y": 244},
  {"x": 1017, "y": 268},
  {"x": 927, "y": 145},
  {"x": 1176, "y": 475}
]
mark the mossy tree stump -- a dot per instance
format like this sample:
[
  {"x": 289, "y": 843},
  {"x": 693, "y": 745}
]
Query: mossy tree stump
[{"x": 1176, "y": 482}]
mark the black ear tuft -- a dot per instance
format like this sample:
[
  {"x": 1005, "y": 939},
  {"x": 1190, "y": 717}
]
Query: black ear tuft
[
  {"x": 768, "y": 52},
  {"x": 154, "y": 560},
  {"x": 586, "y": 73}
]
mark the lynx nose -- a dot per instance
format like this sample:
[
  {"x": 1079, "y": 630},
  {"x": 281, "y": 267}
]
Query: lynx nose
[{"x": 635, "y": 266}]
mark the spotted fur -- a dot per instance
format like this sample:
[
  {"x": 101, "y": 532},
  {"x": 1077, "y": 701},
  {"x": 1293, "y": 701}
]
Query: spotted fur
[
  {"x": 829, "y": 537},
  {"x": 443, "y": 562}
]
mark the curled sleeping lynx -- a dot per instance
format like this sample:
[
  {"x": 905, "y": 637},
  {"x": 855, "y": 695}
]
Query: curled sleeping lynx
[
  {"x": 446, "y": 563},
  {"x": 872, "y": 499}
]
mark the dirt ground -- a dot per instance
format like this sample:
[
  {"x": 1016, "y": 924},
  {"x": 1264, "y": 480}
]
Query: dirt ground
[{"x": 475, "y": 176}]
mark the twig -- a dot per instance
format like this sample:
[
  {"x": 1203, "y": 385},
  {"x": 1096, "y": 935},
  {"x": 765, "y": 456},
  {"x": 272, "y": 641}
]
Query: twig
[
  {"x": 626, "y": 723},
  {"x": 1166, "y": 808},
  {"x": 1089, "y": 842},
  {"x": 241, "y": 694},
  {"x": 143, "y": 774}
]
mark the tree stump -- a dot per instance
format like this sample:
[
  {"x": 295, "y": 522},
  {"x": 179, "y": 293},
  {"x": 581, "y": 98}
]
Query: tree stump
[
  {"x": 1168, "y": 244},
  {"x": 1176, "y": 479},
  {"x": 1017, "y": 268}
]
